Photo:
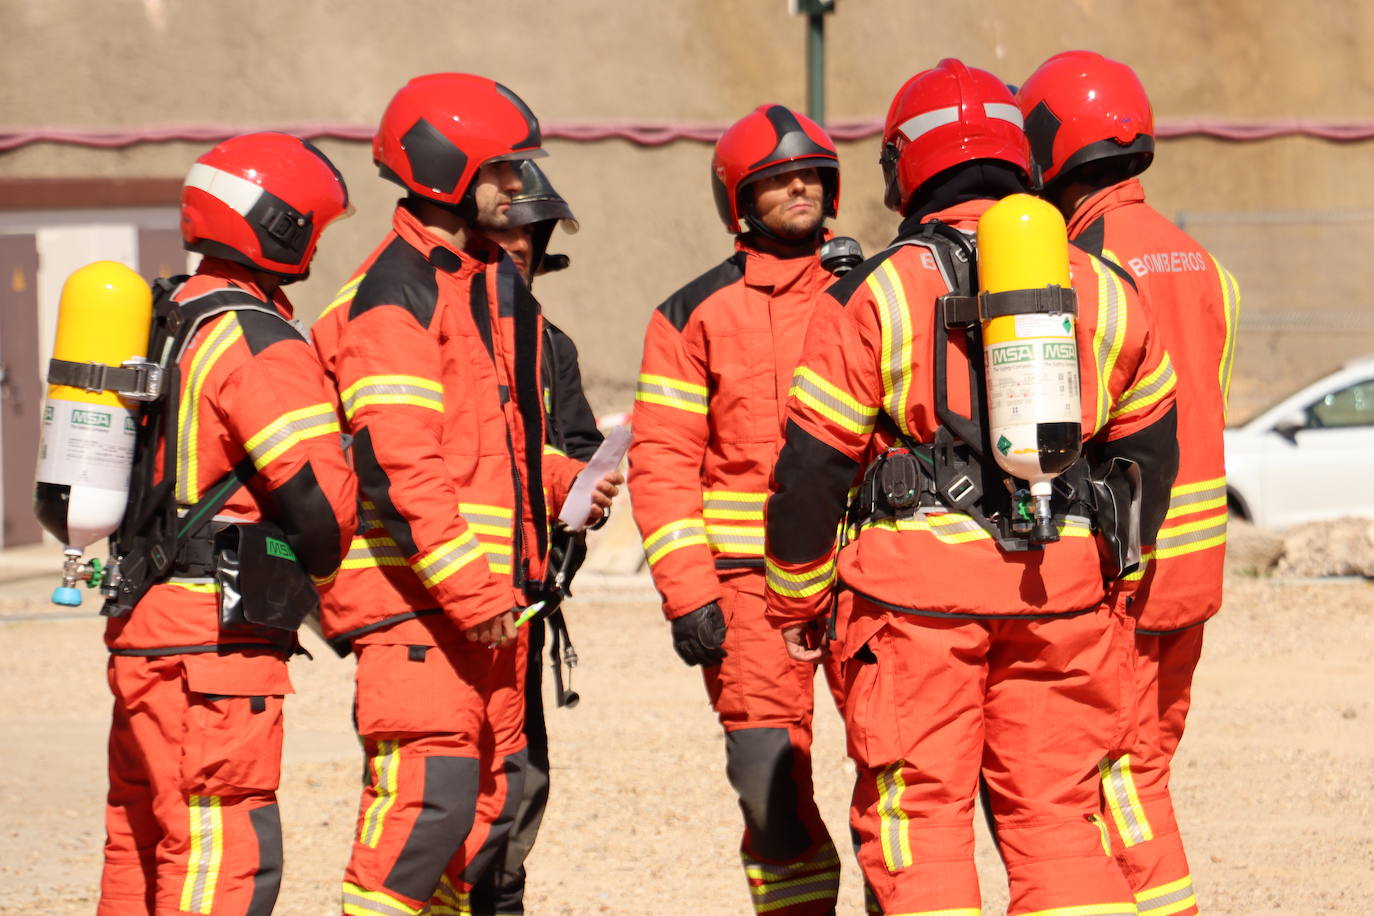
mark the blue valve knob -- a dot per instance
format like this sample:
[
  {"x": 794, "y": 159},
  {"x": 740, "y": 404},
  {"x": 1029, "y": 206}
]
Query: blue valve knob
[{"x": 66, "y": 596}]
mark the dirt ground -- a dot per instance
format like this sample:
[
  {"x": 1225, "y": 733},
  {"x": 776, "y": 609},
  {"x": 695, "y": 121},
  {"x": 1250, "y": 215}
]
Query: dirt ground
[{"x": 1274, "y": 782}]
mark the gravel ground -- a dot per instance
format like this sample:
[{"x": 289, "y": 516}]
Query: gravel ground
[{"x": 1274, "y": 782}]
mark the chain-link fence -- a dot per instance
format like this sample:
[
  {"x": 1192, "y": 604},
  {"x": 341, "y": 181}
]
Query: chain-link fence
[{"x": 1307, "y": 294}]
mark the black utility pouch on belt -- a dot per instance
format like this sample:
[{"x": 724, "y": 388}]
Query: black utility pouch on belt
[
  {"x": 261, "y": 584},
  {"x": 1117, "y": 492}
]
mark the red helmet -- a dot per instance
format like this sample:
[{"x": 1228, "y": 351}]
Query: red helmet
[
  {"x": 438, "y": 130},
  {"x": 770, "y": 140},
  {"x": 944, "y": 117},
  {"x": 1080, "y": 106},
  {"x": 261, "y": 200}
]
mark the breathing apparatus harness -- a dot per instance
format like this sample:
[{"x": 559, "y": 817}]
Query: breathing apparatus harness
[
  {"x": 955, "y": 472},
  {"x": 263, "y": 589}
]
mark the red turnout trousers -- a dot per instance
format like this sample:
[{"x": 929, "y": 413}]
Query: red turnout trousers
[
  {"x": 1031, "y": 704},
  {"x": 765, "y": 703},
  {"x": 442, "y": 728},
  {"x": 191, "y": 821},
  {"x": 1135, "y": 786}
]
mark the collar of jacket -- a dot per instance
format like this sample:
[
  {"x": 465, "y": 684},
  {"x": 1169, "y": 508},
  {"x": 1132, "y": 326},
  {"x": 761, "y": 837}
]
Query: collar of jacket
[
  {"x": 438, "y": 251},
  {"x": 961, "y": 216},
  {"x": 1122, "y": 194},
  {"x": 765, "y": 270},
  {"x": 232, "y": 274}
]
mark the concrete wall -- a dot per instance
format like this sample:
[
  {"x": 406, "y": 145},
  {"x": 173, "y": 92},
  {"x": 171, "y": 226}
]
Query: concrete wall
[{"x": 648, "y": 224}]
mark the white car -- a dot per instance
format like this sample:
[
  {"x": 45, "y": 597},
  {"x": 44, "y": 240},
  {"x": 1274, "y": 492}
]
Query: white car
[{"x": 1308, "y": 457}]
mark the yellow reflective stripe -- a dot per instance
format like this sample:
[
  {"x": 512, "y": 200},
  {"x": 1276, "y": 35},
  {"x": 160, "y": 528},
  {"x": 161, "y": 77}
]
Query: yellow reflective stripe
[
  {"x": 289, "y": 429},
  {"x": 344, "y": 295},
  {"x": 411, "y": 390},
  {"x": 1190, "y": 537},
  {"x": 492, "y": 521},
  {"x": 799, "y": 585},
  {"x": 1091, "y": 909},
  {"x": 892, "y": 818},
  {"x": 776, "y": 895},
  {"x": 832, "y": 402},
  {"x": 1108, "y": 337},
  {"x": 959, "y": 911},
  {"x": 358, "y": 901},
  {"x": 1149, "y": 390},
  {"x": 824, "y": 858},
  {"x": 373, "y": 549},
  {"x": 446, "y": 559},
  {"x": 895, "y": 323},
  {"x": 198, "y": 586},
  {"x": 386, "y": 767},
  {"x": 1166, "y": 899},
  {"x": 684, "y": 532},
  {"x": 222, "y": 334},
  {"x": 1230, "y": 295},
  {"x": 1118, "y": 787},
  {"x": 207, "y": 854},
  {"x": 1145, "y": 557},
  {"x": 672, "y": 392},
  {"x": 733, "y": 505},
  {"x": 958, "y": 528},
  {"x": 736, "y": 538},
  {"x": 449, "y": 901},
  {"x": 550, "y": 450},
  {"x": 1203, "y": 496}
]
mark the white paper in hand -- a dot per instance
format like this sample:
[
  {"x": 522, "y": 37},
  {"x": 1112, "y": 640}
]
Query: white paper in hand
[{"x": 578, "y": 506}]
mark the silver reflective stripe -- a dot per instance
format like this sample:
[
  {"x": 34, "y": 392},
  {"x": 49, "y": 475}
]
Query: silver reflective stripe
[
  {"x": 359, "y": 902},
  {"x": 801, "y": 890},
  {"x": 1192, "y": 537},
  {"x": 787, "y": 586},
  {"x": 435, "y": 565},
  {"x": 289, "y": 429},
  {"x": 1003, "y": 112},
  {"x": 374, "y": 550},
  {"x": 832, "y": 403},
  {"x": 897, "y": 369},
  {"x": 389, "y": 388},
  {"x": 826, "y": 858},
  {"x": 1109, "y": 338},
  {"x": 1166, "y": 380},
  {"x": 1116, "y": 784},
  {"x": 1165, "y": 900},
  {"x": 659, "y": 541},
  {"x": 721, "y": 538},
  {"x": 924, "y": 123},
  {"x": 668, "y": 390},
  {"x": 239, "y": 194},
  {"x": 1182, "y": 500},
  {"x": 732, "y": 502}
]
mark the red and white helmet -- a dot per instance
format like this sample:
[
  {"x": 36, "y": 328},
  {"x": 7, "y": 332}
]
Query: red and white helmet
[
  {"x": 1080, "y": 107},
  {"x": 943, "y": 117},
  {"x": 262, "y": 200},
  {"x": 770, "y": 140},
  {"x": 439, "y": 129}
]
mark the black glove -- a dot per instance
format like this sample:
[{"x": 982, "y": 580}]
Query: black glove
[{"x": 699, "y": 636}]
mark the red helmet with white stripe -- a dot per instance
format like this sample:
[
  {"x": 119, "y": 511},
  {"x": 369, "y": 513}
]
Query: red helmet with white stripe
[
  {"x": 770, "y": 140},
  {"x": 1081, "y": 107},
  {"x": 262, "y": 200},
  {"x": 943, "y": 117},
  {"x": 439, "y": 129}
]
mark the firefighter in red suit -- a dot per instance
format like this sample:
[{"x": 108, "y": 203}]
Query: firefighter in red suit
[
  {"x": 718, "y": 361},
  {"x": 966, "y": 654},
  {"x": 195, "y": 746},
  {"x": 1091, "y": 131},
  {"x": 434, "y": 345}
]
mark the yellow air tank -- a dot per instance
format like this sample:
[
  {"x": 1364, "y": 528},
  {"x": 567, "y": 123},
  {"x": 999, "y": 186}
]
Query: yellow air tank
[
  {"x": 1028, "y": 310},
  {"x": 87, "y": 445}
]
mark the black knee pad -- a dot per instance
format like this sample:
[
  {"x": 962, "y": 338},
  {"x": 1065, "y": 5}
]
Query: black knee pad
[{"x": 759, "y": 764}]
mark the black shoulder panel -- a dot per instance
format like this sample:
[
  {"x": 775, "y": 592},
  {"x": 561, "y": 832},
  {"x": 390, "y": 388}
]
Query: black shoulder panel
[
  {"x": 1091, "y": 240},
  {"x": 680, "y": 305},
  {"x": 400, "y": 276},
  {"x": 261, "y": 330},
  {"x": 845, "y": 287}
]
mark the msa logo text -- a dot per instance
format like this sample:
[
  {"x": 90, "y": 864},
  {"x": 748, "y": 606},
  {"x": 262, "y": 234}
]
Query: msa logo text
[
  {"x": 1060, "y": 351},
  {"x": 96, "y": 418},
  {"x": 1017, "y": 353}
]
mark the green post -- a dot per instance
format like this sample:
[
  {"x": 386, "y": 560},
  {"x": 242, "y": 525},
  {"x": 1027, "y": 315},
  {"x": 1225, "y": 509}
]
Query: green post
[{"x": 815, "y": 67}]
